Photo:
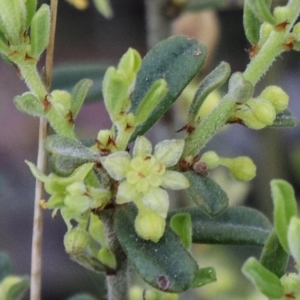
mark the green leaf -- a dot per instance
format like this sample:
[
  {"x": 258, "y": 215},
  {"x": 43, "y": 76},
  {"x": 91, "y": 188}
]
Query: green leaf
[
  {"x": 206, "y": 193},
  {"x": 261, "y": 8},
  {"x": 177, "y": 59},
  {"x": 79, "y": 93},
  {"x": 66, "y": 76},
  {"x": 251, "y": 25},
  {"x": 181, "y": 224},
  {"x": 237, "y": 225},
  {"x": 68, "y": 154},
  {"x": 165, "y": 265},
  {"x": 205, "y": 276},
  {"x": 40, "y": 30},
  {"x": 212, "y": 81},
  {"x": 82, "y": 297},
  {"x": 239, "y": 89},
  {"x": 89, "y": 262},
  {"x": 273, "y": 256},
  {"x": 267, "y": 282},
  {"x": 5, "y": 265},
  {"x": 14, "y": 287},
  {"x": 28, "y": 103},
  {"x": 284, "y": 119},
  {"x": 294, "y": 239},
  {"x": 285, "y": 207},
  {"x": 30, "y": 9}
]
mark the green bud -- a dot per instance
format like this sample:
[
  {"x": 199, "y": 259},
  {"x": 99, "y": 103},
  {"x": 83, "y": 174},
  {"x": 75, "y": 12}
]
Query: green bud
[
  {"x": 169, "y": 296},
  {"x": 248, "y": 118},
  {"x": 106, "y": 257},
  {"x": 13, "y": 287},
  {"x": 282, "y": 14},
  {"x": 135, "y": 293},
  {"x": 40, "y": 31},
  {"x": 293, "y": 238},
  {"x": 277, "y": 96},
  {"x": 56, "y": 201},
  {"x": 76, "y": 188},
  {"x": 76, "y": 240},
  {"x": 211, "y": 158},
  {"x": 242, "y": 168},
  {"x": 104, "y": 8},
  {"x": 291, "y": 284},
  {"x": 115, "y": 92},
  {"x": 151, "y": 295},
  {"x": 153, "y": 97},
  {"x": 28, "y": 103},
  {"x": 79, "y": 204},
  {"x": 264, "y": 32},
  {"x": 149, "y": 225},
  {"x": 263, "y": 110},
  {"x": 61, "y": 101}
]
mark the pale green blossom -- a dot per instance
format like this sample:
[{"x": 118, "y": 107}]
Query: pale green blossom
[{"x": 144, "y": 176}]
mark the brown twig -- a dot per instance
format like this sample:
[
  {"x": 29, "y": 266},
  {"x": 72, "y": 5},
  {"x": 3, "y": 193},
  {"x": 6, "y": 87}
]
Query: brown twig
[{"x": 36, "y": 255}]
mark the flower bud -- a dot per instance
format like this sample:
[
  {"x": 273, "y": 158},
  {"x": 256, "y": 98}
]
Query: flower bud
[
  {"x": 249, "y": 119},
  {"x": 291, "y": 284},
  {"x": 264, "y": 32},
  {"x": 211, "y": 158},
  {"x": 263, "y": 110},
  {"x": 242, "y": 168},
  {"x": 277, "y": 96},
  {"x": 61, "y": 100},
  {"x": 282, "y": 14},
  {"x": 76, "y": 240},
  {"x": 149, "y": 225},
  {"x": 135, "y": 293},
  {"x": 107, "y": 258},
  {"x": 151, "y": 295}
]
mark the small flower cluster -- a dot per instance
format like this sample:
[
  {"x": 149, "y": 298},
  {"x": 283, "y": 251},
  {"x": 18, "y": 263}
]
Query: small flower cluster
[{"x": 257, "y": 113}]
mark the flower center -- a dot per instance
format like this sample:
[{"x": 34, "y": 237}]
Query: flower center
[{"x": 144, "y": 173}]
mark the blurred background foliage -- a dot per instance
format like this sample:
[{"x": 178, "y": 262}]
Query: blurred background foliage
[{"x": 88, "y": 38}]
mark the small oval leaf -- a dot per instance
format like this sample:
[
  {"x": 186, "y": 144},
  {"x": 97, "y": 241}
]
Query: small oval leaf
[
  {"x": 251, "y": 25},
  {"x": 28, "y": 103},
  {"x": 273, "y": 256},
  {"x": 284, "y": 119},
  {"x": 165, "y": 265},
  {"x": 40, "y": 30},
  {"x": 285, "y": 207},
  {"x": 237, "y": 225},
  {"x": 181, "y": 224},
  {"x": 267, "y": 282},
  {"x": 206, "y": 193},
  {"x": 294, "y": 239},
  {"x": 79, "y": 93},
  {"x": 212, "y": 81},
  {"x": 261, "y": 8},
  {"x": 177, "y": 59}
]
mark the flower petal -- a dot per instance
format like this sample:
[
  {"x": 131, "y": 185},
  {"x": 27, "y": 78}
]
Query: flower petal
[
  {"x": 157, "y": 199},
  {"x": 142, "y": 147},
  {"x": 174, "y": 181},
  {"x": 126, "y": 193},
  {"x": 116, "y": 164},
  {"x": 168, "y": 152}
]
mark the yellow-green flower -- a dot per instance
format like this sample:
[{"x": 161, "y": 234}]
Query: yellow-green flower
[{"x": 144, "y": 176}]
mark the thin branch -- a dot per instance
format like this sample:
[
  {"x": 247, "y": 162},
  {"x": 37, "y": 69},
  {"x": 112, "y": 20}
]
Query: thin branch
[{"x": 37, "y": 236}]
